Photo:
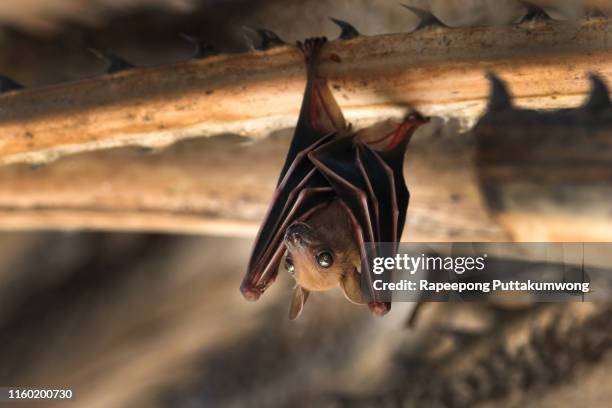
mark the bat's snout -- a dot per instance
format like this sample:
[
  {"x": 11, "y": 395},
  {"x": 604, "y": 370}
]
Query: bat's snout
[{"x": 298, "y": 235}]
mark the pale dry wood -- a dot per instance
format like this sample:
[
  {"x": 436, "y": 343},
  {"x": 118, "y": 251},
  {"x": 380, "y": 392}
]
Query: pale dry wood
[
  {"x": 223, "y": 185},
  {"x": 213, "y": 186},
  {"x": 438, "y": 71}
]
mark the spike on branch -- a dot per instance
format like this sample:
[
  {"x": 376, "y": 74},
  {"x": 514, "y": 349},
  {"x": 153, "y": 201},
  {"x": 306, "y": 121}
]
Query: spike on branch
[
  {"x": 596, "y": 13},
  {"x": 534, "y": 13},
  {"x": 347, "y": 29},
  {"x": 7, "y": 84},
  {"x": 268, "y": 39},
  {"x": 202, "y": 49},
  {"x": 428, "y": 19},
  {"x": 114, "y": 62}
]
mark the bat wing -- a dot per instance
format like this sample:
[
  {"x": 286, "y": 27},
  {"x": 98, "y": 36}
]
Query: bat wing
[
  {"x": 339, "y": 162},
  {"x": 394, "y": 160},
  {"x": 382, "y": 178},
  {"x": 265, "y": 271},
  {"x": 301, "y": 192},
  {"x": 356, "y": 177},
  {"x": 320, "y": 114},
  {"x": 393, "y": 156},
  {"x": 300, "y": 187},
  {"x": 301, "y": 174},
  {"x": 307, "y": 202}
]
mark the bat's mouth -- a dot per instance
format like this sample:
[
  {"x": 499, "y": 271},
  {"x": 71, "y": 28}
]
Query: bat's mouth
[{"x": 299, "y": 235}]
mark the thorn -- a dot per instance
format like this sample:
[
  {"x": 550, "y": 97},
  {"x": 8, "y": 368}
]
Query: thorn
[
  {"x": 269, "y": 39},
  {"x": 595, "y": 13},
  {"x": 500, "y": 98},
  {"x": 148, "y": 150},
  {"x": 600, "y": 95},
  {"x": 114, "y": 62},
  {"x": 37, "y": 166},
  {"x": 427, "y": 18},
  {"x": 249, "y": 42},
  {"x": 534, "y": 13},
  {"x": 7, "y": 84},
  {"x": 202, "y": 49},
  {"x": 348, "y": 31}
]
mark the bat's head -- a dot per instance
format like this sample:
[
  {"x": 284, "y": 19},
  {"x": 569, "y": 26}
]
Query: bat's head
[
  {"x": 321, "y": 255},
  {"x": 311, "y": 259}
]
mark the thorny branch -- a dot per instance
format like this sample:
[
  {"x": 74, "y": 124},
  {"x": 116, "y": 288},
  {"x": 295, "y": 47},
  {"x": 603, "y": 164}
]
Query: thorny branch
[
  {"x": 212, "y": 185},
  {"x": 439, "y": 71}
]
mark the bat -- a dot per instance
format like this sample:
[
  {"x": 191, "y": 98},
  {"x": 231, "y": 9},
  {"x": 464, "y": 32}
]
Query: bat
[{"x": 339, "y": 192}]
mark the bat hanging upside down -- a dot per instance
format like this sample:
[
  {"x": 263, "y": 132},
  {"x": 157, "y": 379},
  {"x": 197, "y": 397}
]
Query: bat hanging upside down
[{"x": 338, "y": 192}]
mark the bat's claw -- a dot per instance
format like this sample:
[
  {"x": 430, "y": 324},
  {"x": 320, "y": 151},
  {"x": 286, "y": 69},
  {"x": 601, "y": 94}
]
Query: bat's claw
[
  {"x": 202, "y": 49},
  {"x": 7, "y": 84},
  {"x": 250, "y": 292},
  {"x": 114, "y": 62},
  {"x": 348, "y": 31},
  {"x": 379, "y": 308},
  {"x": 311, "y": 47}
]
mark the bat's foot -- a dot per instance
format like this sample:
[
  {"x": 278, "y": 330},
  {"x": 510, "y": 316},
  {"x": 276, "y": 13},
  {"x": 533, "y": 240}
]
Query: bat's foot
[
  {"x": 250, "y": 292},
  {"x": 379, "y": 308},
  {"x": 311, "y": 47}
]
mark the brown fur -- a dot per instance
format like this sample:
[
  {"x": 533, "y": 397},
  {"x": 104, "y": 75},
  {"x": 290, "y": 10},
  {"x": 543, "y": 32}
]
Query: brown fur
[
  {"x": 329, "y": 229},
  {"x": 334, "y": 233}
]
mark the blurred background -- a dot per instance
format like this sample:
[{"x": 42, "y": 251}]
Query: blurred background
[{"x": 146, "y": 320}]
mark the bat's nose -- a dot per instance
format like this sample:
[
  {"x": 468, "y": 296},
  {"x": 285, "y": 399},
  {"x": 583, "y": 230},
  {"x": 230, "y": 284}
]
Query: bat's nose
[{"x": 297, "y": 234}]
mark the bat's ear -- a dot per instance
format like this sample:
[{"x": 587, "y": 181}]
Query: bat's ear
[
  {"x": 351, "y": 286},
  {"x": 297, "y": 302}
]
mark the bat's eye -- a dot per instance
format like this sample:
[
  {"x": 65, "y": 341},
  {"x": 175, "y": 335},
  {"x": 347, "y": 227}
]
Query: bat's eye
[
  {"x": 289, "y": 265},
  {"x": 325, "y": 259}
]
